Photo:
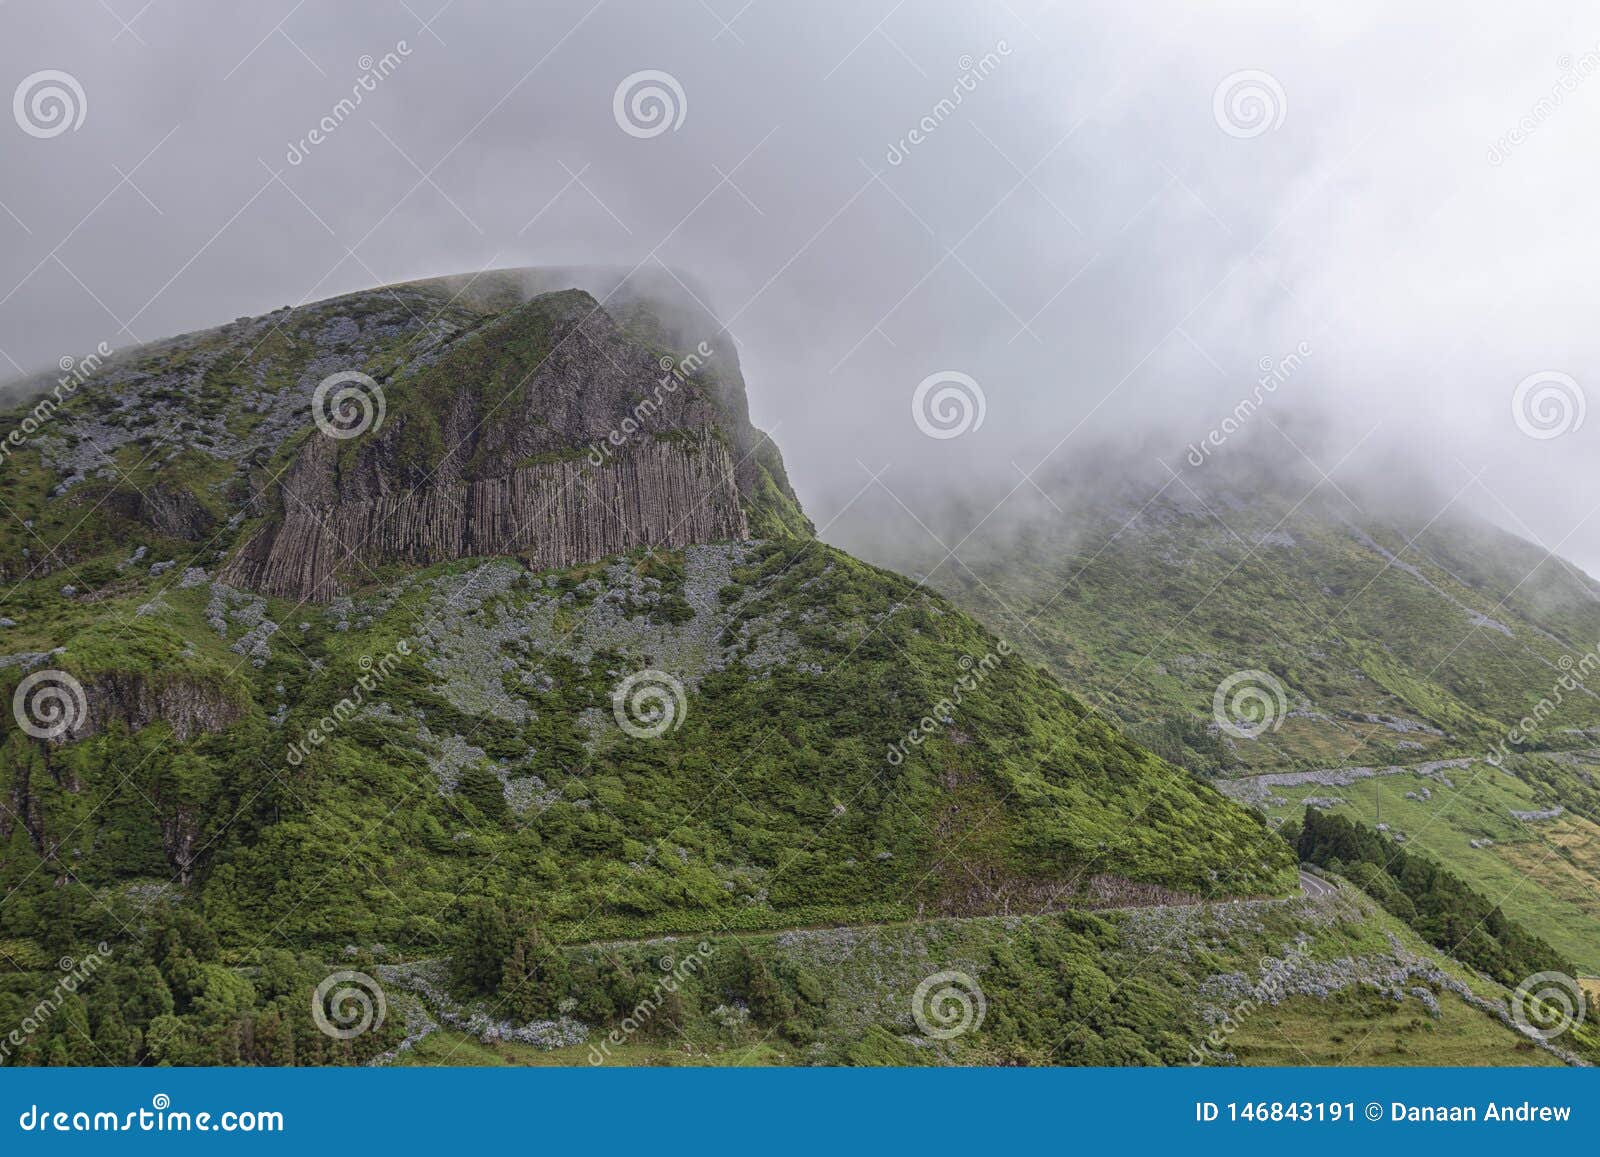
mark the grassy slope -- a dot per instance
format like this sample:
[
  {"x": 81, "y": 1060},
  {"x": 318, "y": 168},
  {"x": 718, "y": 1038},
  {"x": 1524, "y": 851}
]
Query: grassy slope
[
  {"x": 774, "y": 805},
  {"x": 1117, "y": 988},
  {"x": 1542, "y": 872},
  {"x": 1364, "y": 1029},
  {"x": 1149, "y": 618},
  {"x": 808, "y": 822}
]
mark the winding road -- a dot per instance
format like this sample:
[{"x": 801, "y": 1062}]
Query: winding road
[{"x": 1315, "y": 885}]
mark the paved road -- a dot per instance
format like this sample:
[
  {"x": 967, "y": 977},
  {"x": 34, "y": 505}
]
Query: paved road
[{"x": 1315, "y": 886}]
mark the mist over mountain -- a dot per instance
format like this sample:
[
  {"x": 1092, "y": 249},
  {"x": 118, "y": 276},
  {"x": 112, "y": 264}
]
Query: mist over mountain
[
  {"x": 333, "y": 623},
  {"x": 1383, "y": 655},
  {"x": 1079, "y": 232},
  {"x": 977, "y": 534}
]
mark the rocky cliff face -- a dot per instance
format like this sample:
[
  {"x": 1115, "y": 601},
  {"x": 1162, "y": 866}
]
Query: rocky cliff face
[
  {"x": 496, "y": 389},
  {"x": 553, "y": 515},
  {"x": 548, "y": 432},
  {"x": 191, "y": 708}
]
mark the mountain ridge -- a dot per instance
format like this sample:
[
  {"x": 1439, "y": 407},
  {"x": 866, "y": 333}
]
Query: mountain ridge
[
  {"x": 1403, "y": 665},
  {"x": 744, "y": 729}
]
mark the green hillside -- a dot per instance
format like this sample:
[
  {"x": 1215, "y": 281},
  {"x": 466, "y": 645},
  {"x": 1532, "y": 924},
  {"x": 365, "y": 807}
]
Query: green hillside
[
  {"x": 444, "y": 720},
  {"x": 1428, "y": 673},
  {"x": 1543, "y": 869},
  {"x": 235, "y": 790},
  {"x": 1394, "y": 639}
]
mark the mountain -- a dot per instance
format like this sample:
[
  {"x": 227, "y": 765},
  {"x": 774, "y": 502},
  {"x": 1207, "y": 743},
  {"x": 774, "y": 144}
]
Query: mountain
[
  {"x": 1390, "y": 658},
  {"x": 465, "y": 623},
  {"x": 448, "y": 673}
]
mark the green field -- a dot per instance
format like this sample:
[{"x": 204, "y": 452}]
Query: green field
[
  {"x": 1543, "y": 873},
  {"x": 1364, "y": 1029},
  {"x": 1388, "y": 640}
]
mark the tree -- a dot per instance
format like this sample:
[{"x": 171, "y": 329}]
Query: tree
[
  {"x": 535, "y": 977},
  {"x": 482, "y": 947}
]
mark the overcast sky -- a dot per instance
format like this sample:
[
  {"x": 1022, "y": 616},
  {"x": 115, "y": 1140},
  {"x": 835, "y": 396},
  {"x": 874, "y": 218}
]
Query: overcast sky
[{"x": 1129, "y": 207}]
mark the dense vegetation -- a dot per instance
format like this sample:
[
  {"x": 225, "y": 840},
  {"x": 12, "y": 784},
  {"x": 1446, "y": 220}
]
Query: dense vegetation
[
  {"x": 848, "y": 748},
  {"x": 1396, "y": 638},
  {"x": 1499, "y": 832},
  {"x": 168, "y": 996},
  {"x": 1048, "y": 995},
  {"x": 852, "y": 759},
  {"x": 774, "y": 804},
  {"x": 1434, "y": 901},
  {"x": 1074, "y": 988}
]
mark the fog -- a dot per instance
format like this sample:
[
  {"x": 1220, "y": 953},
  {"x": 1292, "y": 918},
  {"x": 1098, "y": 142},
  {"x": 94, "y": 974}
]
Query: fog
[{"x": 1385, "y": 214}]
